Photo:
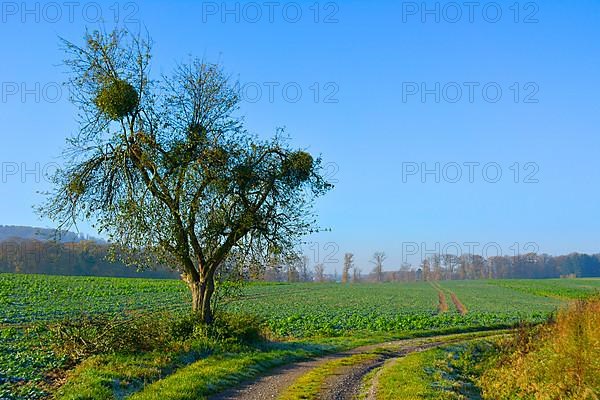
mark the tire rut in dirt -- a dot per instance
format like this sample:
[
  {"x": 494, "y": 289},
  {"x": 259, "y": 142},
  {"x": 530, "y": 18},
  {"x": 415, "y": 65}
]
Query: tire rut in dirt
[
  {"x": 458, "y": 304},
  {"x": 347, "y": 383}
]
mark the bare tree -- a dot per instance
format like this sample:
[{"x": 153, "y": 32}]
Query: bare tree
[
  {"x": 464, "y": 262},
  {"x": 320, "y": 272},
  {"x": 348, "y": 265},
  {"x": 378, "y": 258},
  {"x": 450, "y": 261},
  {"x": 292, "y": 266},
  {"x": 355, "y": 274},
  {"x": 425, "y": 266},
  {"x": 406, "y": 273},
  {"x": 255, "y": 271},
  {"x": 304, "y": 271},
  {"x": 477, "y": 267},
  {"x": 436, "y": 262},
  {"x": 273, "y": 268}
]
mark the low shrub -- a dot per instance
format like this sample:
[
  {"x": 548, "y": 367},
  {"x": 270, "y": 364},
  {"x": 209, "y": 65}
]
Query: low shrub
[
  {"x": 85, "y": 335},
  {"x": 244, "y": 328}
]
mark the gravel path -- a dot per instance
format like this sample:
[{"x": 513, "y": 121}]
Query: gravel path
[
  {"x": 371, "y": 387},
  {"x": 349, "y": 382},
  {"x": 345, "y": 384},
  {"x": 269, "y": 386}
]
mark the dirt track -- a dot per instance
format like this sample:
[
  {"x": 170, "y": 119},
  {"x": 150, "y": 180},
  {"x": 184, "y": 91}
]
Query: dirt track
[{"x": 345, "y": 383}]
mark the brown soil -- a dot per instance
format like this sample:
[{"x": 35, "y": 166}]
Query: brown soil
[
  {"x": 442, "y": 303},
  {"x": 459, "y": 306}
]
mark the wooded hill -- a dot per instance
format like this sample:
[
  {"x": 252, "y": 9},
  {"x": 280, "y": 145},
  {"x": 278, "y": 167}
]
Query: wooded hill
[{"x": 84, "y": 258}]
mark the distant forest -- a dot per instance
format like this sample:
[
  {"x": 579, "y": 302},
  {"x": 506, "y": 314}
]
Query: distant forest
[
  {"x": 442, "y": 267},
  {"x": 84, "y": 258},
  {"x": 90, "y": 258},
  {"x": 534, "y": 266}
]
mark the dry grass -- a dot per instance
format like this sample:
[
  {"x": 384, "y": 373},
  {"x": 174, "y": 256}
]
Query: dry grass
[
  {"x": 443, "y": 305},
  {"x": 560, "y": 360},
  {"x": 460, "y": 307}
]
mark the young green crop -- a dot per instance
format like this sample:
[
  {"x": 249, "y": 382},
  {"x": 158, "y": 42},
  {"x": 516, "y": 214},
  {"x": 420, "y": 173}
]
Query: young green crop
[{"x": 305, "y": 310}]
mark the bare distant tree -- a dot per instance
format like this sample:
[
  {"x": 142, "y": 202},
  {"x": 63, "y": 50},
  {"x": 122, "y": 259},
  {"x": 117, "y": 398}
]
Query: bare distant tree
[
  {"x": 436, "y": 262},
  {"x": 303, "y": 269},
  {"x": 463, "y": 264},
  {"x": 425, "y": 266},
  {"x": 406, "y": 273},
  {"x": 451, "y": 262},
  {"x": 320, "y": 272},
  {"x": 378, "y": 258},
  {"x": 292, "y": 267},
  {"x": 255, "y": 271},
  {"x": 355, "y": 274},
  {"x": 348, "y": 264},
  {"x": 273, "y": 269},
  {"x": 477, "y": 267}
]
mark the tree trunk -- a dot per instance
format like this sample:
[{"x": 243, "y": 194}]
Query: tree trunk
[{"x": 202, "y": 293}]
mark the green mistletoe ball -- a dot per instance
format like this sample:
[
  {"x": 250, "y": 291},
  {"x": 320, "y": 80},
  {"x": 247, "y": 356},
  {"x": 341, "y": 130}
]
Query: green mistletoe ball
[{"x": 117, "y": 99}]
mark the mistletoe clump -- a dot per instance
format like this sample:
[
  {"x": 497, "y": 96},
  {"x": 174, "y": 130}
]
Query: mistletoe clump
[
  {"x": 117, "y": 99},
  {"x": 298, "y": 167}
]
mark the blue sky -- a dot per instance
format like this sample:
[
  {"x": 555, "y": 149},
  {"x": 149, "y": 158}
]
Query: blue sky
[{"x": 362, "y": 69}]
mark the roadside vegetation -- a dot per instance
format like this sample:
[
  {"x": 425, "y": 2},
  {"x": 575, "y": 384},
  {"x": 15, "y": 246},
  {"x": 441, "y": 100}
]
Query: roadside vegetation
[
  {"x": 446, "y": 373},
  {"x": 558, "y": 360},
  {"x": 555, "y": 360},
  {"x": 229, "y": 350}
]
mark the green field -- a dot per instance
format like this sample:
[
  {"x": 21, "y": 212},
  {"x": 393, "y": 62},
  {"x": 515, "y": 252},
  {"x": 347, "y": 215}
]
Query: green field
[{"x": 303, "y": 310}]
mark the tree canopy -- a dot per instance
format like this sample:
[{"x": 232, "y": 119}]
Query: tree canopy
[{"x": 167, "y": 170}]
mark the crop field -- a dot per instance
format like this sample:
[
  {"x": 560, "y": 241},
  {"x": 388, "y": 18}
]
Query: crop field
[
  {"x": 334, "y": 309},
  {"x": 31, "y": 298},
  {"x": 301, "y": 310},
  {"x": 298, "y": 309},
  {"x": 559, "y": 289}
]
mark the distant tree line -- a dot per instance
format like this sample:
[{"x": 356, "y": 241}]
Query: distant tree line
[
  {"x": 91, "y": 258},
  {"x": 295, "y": 268},
  {"x": 84, "y": 258},
  {"x": 439, "y": 267},
  {"x": 531, "y": 265},
  {"x": 526, "y": 266}
]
